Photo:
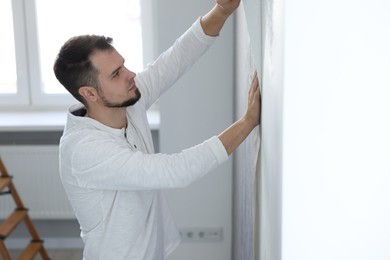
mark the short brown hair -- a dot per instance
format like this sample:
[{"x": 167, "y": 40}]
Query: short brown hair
[{"x": 73, "y": 67}]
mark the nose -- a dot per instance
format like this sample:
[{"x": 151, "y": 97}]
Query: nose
[{"x": 131, "y": 74}]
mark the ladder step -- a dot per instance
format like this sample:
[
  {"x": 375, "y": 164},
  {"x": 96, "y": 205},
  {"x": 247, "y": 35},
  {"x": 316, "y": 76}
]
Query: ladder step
[
  {"x": 4, "y": 181},
  {"x": 11, "y": 222},
  {"x": 31, "y": 250}
]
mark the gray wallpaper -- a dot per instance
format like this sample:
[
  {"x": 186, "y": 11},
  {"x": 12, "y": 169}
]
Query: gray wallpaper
[{"x": 258, "y": 162}]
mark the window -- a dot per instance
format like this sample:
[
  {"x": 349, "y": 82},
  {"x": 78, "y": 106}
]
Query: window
[
  {"x": 35, "y": 30},
  {"x": 8, "y": 66},
  {"x": 9, "y": 90}
]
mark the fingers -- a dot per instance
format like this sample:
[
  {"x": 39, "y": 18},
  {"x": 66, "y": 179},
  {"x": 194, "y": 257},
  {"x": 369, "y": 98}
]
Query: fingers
[
  {"x": 255, "y": 80},
  {"x": 255, "y": 84},
  {"x": 254, "y": 101}
]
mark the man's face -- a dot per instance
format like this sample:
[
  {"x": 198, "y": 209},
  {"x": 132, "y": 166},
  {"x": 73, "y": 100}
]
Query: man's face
[{"x": 117, "y": 86}]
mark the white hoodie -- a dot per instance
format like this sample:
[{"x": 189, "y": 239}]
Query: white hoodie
[{"x": 114, "y": 180}]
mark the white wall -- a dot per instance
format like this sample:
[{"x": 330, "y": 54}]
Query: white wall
[
  {"x": 259, "y": 185},
  {"x": 246, "y": 164},
  {"x": 199, "y": 106},
  {"x": 272, "y": 131},
  {"x": 336, "y": 139}
]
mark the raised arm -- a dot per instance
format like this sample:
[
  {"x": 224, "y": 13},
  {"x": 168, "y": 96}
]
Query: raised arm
[
  {"x": 233, "y": 136},
  {"x": 214, "y": 20}
]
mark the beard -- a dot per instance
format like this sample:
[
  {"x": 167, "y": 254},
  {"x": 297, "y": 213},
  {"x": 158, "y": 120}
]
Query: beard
[{"x": 127, "y": 103}]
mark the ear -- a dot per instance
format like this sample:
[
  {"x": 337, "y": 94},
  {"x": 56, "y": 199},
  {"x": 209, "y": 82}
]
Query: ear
[{"x": 88, "y": 93}]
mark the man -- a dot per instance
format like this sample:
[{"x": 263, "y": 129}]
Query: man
[{"x": 108, "y": 167}]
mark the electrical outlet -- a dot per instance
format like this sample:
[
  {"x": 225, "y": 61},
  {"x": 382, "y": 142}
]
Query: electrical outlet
[{"x": 201, "y": 234}]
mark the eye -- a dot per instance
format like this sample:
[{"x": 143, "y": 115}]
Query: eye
[{"x": 116, "y": 74}]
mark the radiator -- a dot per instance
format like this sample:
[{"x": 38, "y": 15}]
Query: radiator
[{"x": 36, "y": 176}]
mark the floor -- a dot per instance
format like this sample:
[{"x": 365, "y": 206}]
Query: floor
[{"x": 68, "y": 254}]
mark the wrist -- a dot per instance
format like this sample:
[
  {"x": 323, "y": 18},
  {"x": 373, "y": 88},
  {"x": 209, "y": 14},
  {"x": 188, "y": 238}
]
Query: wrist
[
  {"x": 221, "y": 11},
  {"x": 213, "y": 21},
  {"x": 250, "y": 121}
]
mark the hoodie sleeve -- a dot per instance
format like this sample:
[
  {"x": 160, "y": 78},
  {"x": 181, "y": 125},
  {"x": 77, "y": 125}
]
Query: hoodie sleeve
[
  {"x": 105, "y": 164},
  {"x": 173, "y": 63}
]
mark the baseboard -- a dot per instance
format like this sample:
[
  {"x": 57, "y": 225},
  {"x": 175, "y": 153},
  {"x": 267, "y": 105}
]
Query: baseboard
[{"x": 49, "y": 242}]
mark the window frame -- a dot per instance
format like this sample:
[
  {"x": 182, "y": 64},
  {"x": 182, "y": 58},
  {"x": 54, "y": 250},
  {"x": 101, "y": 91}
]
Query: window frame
[{"x": 21, "y": 98}]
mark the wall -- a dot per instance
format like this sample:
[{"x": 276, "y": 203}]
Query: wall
[
  {"x": 324, "y": 176},
  {"x": 199, "y": 106},
  {"x": 336, "y": 130},
  {"x": 246, "y": 168},
  {"x": 270, "y": 240},
  {"x": 323, "y": 171},
  {"x": 258, "y": 165}
]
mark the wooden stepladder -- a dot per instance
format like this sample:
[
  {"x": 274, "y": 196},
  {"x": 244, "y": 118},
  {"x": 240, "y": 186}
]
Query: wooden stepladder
[{"x": 19, "y": 215}]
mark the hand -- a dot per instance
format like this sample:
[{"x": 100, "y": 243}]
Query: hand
[
  {"x": 229, "y": 6},
  {"x": 235, "y": 134},
  {"x": 253, "y": 111}
]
